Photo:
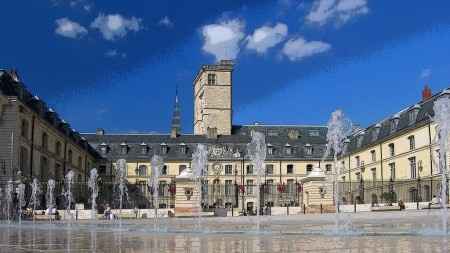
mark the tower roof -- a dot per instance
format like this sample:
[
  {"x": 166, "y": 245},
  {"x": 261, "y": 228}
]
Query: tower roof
[{"x": 176, "y": 117}]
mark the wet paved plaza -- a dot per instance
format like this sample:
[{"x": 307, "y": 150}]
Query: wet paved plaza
[{"x": 370, "y": 232}]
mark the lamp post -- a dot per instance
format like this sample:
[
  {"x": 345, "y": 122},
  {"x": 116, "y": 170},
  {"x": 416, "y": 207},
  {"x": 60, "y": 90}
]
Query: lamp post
[
  {"x": 419, "y": 169},
  {"x": 236, "y": 190}
]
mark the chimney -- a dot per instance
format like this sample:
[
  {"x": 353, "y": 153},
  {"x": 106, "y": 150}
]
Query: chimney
[
  {"x": 426, "y": 93},
  {"x": 100, "y": 131}
]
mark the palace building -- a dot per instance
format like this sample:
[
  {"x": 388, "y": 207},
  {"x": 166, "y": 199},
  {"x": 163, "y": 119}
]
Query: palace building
[
  {"x": 399, "y": 154},
  {"x": 394, "y": 157},
  {"x": 292, "y": 151}
]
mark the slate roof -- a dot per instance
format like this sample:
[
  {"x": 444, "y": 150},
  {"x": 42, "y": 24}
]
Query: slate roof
[
  {"x": 279, "y": 137},
  {"x": 424, "y": 116}
]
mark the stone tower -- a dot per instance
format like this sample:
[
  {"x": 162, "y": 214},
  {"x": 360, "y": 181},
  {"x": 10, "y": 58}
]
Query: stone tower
[{"x": 212, "y": 99}]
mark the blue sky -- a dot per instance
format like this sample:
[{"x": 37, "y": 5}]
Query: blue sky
[{"x": 115, "y": 64}]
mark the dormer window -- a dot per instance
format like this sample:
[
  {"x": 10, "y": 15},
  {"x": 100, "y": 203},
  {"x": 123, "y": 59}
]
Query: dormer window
[
  {"x": 164, "y": 148},
  {"x": 211, "y": 79},
  {"x": 314, "y": 133},
  {"x": 394, "y": 123},
  {"x": 360, "y": 139},
  {"x": 269, "y": 149},
  {"x": 144, "y": 148},
  {"x": 123, "y": 148},
  {"x": 346, "y": 143},
  {"x": 308, "y": 149},
  {"x": 104, "y": 148},
  {"x": 413, "y": 114},
  {"x": 376, "y": 131},
  {"x": 183, "y": 148},
  {"x": 293, "y": 134},
  {"x": 288, "y": 149}
]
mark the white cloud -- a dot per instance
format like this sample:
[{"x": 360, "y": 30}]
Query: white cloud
[
  {"x": 114, "y": 53},
  {"x": 340, "y": 11},
  {"x": 222, "y": 40},
  {"x": 116, "y": 26},
  {"x": 69, "y": 29},
  {"x": 297, "y": 49},
  {"x": 266, "y": 37},
  {"x": 165, "y": 21},
  {"x": 84, "y": 4},
  {"x": 426, "y": 73}
]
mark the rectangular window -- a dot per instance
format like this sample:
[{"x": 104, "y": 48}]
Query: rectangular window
[
  {"x": 373, "y": 154},
  {"x": 24, "y": 129},
  {"x": 58, "y": 149},
  {"x": 228, "y": 169},
  {"x": 181, "y": 168},
  {"x": 58, "y": 172},
  {"x": 290, "y": 186},
  {"x": 391, "y": 149},
  {"x": 250, "y": 186},
  {"x": 164, "y": 170},
  {"x": 290, "y": 169},
  {"x": 412, "y": 167},
  {"x": 328, "y": 169},
  {"x": 249, "y": 169},
  {"x": 23, "y": 160},
  {"x": 228, "y": 187},
  {"x": 392, "y": 169},
  {"x": 269, "y": 169},
  {"x": 211, "y": 79},
  {"x": 309, "y": 168},
  {"x": 358, "y": 161},
  {"x": 374, "y": 176},
  {"x": 412, "y": 142}
]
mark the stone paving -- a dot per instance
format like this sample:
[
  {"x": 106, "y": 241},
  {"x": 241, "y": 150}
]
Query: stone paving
[{"x": 407, "y": 231}]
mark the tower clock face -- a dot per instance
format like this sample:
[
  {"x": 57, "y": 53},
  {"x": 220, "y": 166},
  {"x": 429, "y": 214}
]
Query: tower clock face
[{"x": 217, "y": 168}]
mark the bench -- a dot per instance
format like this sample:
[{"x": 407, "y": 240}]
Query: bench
[
  {"x": 46, "y": 217},
  {"x": 385, "y": 208}
]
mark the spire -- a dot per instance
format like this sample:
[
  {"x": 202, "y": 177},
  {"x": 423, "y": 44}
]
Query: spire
[{"x": 176, "y": 117}]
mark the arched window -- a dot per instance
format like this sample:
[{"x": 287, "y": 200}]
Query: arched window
[{"x": 44, "y": 141}]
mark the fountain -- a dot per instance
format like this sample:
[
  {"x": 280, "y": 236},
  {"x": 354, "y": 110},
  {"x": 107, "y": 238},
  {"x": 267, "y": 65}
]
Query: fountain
[
  {"x": 35, "y": 193},
  {"x": 121, "y": 172},
  {"x": 21, "y": 199},
  {"x": 199, "y": 163},
  {"x": 68, "y": 193},
  {"x": 9, "y": 199},
  {"x": 93, "y": 186},
  {"x": 257, "y": 151},
  {"x": 50, "y": 198},
  {"x": 157, "y": 163},
  {"x": 442, "y": 118},
  {"x": 339, "y": 128}
]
